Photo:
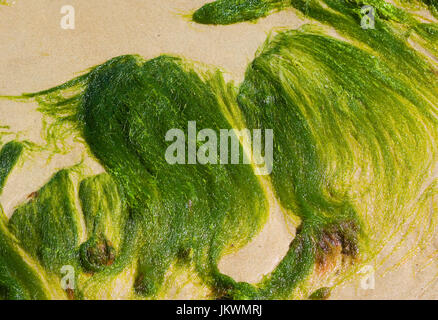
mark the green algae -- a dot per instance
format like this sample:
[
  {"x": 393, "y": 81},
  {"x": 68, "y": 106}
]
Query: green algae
[
  {"x": 102, "y": 208},
  {"x": 187, "y": 213},
  {"x": 432, "y": 5},
  {"x": 20, "y": 277},
  {"x": 320, "y": 294},
  {"x": 9, "y": 155},
  {"x": 233, "y": 11},
  {"x": 354, "y": 142},
  {"x": 209, "y": 200},
  {"x": 48, "y": 225},
  {"x": 373, "y": 114},
  {"x": 16, "y": 277}
]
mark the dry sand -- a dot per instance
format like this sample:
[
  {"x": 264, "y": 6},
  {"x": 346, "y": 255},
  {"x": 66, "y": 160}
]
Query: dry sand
[{"x": 36, "y": 53}]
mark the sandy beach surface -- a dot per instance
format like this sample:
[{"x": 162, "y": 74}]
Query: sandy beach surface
[{"x": 36, "y": 54}]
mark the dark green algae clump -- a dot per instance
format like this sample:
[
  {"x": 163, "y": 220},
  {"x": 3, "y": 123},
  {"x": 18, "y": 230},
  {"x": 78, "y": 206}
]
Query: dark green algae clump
[
  {"x": 232, "y": 11},
  {"x": 354, "y": 130}
]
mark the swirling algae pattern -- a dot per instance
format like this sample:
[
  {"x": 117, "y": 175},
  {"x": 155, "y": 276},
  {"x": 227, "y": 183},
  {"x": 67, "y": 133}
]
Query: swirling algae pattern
[{"x": 355, "y": 123}]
